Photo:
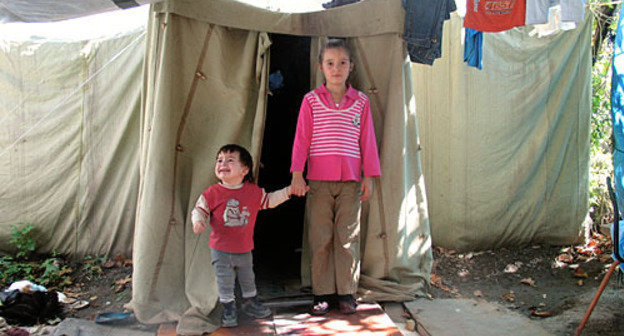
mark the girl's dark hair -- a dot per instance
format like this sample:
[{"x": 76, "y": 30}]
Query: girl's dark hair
[
  {"x": 245, "y": 158},
  {"x": 335, "y": 43}
]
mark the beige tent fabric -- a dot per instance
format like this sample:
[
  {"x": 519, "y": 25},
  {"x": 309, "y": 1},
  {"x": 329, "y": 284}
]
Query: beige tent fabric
[
  {"x": 208, "y": 103},
  {"x": 506, "y": 149},
  {"x": 68, "y": 159},
  {"x": 227, "y": 106}
]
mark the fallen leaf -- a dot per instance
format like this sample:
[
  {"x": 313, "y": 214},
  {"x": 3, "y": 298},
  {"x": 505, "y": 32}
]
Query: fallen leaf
[
  {"x": 540, "y": 313},
  {"x": 559, "y": 264},
  {"x": 434, "y": 278},
  {"x": 119, "y": 257},
  {"x": 124, "y": 281},
  {"x": 72, "y": 295},
  {"x": 79, "y": 304},
  {"x": 93, "y": 298},
  {"x": 566, "y": 258},
  {"x": 580, "y": 282},
  {"x": 510, "y": 296},
  {"x": 436, "y": 281},
  {"x": 511, "y": 268},
  {"x": 605, "y": 258},
  {"x": 579, "y": 273},
  {"x": 109, "y": 264},
  {"x": 463, "y": 273},
  {"x": 67, "y": 300},
  {"x": 528, "y": 281},
  {"x": 477, "y": 293}
]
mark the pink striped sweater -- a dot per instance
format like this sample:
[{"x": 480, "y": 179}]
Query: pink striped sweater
[{"x": 338, "y": 142}]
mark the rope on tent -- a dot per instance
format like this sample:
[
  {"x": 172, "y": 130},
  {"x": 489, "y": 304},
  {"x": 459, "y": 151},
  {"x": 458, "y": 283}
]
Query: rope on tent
[
  {"x": 178, "y": 148},
  {"x": 382, "y": 214},
  {"x": 77, "y": 89}
]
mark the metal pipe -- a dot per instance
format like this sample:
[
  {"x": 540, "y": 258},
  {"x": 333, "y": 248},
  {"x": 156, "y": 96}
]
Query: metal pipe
[{"x": 603, "y": 284}]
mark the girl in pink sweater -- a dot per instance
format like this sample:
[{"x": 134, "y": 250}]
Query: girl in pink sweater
[{"x": 335, "y": 136}]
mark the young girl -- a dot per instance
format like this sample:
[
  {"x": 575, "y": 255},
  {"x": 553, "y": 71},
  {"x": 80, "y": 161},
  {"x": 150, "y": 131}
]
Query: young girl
[
  {"x": 335, "y": 136},
  {"x": 230, "y": 207}
]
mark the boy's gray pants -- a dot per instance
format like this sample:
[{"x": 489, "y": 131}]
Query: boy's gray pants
[{"x": 228, "y": 266}]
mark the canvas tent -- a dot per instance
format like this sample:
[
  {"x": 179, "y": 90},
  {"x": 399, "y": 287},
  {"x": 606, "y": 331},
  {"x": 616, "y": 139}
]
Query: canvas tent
[
  {"x": 506, "y": 149},
  {"x": 205, "y": 85},
  {"x": 69, "y": 119},
  {"x": 51, "y": 10}
]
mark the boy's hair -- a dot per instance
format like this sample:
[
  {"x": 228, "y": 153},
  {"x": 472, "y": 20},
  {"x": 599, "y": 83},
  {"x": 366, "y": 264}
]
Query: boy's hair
[
  {"x": 245, "y": 158},
  {"x": 335, "y": 43}
]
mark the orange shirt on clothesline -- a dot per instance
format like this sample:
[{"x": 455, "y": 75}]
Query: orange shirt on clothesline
[{"x": 494, "y": 15}]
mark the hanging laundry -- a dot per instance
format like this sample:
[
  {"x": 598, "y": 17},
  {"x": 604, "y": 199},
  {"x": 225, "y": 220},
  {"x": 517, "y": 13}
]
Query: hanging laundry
[
  {"x": 494, "y": 15},
  {"x": 424, "y": 21},
  {"x": 573, "y": 10},
  {"x": 473, "y": 48},
  {"x": 554, "y": 24},
  {"x": 537, "y": 10}
]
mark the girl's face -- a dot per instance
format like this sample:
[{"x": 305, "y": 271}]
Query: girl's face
[
  {"x": 229, "y": 169},
  {"x": 336, "y": 66}
]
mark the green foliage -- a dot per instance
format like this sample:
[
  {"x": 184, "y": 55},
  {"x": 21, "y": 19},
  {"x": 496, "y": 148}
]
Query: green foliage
[
  {"x": 21, "y": 238},
  {"x": 601, "y": 162},
  {"x": 55, "y": 272},
  {"x": 52, "y": 272},
  {"x": 91, "y": 266}
]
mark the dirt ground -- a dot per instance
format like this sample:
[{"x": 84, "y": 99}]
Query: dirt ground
[
  {"x": 551, "y": 285},
  {"x": 107, "y": 288}
]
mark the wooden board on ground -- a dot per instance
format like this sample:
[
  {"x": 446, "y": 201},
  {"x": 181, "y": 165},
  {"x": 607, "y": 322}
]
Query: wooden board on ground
[{"x": 369, "y": 319}]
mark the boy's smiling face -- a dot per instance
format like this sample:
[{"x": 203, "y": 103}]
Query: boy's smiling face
[{"x": 229, "y": 169}]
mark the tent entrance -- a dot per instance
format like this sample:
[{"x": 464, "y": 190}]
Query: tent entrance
[{"x": 278, "y": 234}]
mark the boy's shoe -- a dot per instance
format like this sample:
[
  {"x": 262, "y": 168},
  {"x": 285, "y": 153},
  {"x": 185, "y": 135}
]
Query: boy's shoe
[
  {"x": 229, "y": 318},
  {"x": 347, "y": 304},
  {"x": 254, "y": 308}
]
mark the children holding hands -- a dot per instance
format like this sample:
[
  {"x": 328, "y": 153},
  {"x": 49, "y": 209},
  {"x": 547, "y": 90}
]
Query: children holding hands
[
  {"x": 335, "y": 138},
  {"x": 230, "y": 208}
]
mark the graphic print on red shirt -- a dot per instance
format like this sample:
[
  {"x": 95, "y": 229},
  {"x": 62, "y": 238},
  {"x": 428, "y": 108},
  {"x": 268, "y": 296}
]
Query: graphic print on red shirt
[{"x": 494, "y": 15}]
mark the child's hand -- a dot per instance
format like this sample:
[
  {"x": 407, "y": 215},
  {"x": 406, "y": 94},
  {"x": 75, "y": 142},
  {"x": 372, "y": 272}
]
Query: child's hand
[
  {"x": 290, "y": 190},
  {"x": 298, "y": 185},
  {"x": 366, "y": 188},
  {"x": 198, "y": 227}
]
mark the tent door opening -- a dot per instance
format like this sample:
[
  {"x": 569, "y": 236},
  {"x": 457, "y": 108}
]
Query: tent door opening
[{"x": 279, "y": 231}]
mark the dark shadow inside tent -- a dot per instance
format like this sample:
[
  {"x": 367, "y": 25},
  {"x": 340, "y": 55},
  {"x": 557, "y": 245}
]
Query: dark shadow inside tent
[{"x": 279, "y": 231}]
